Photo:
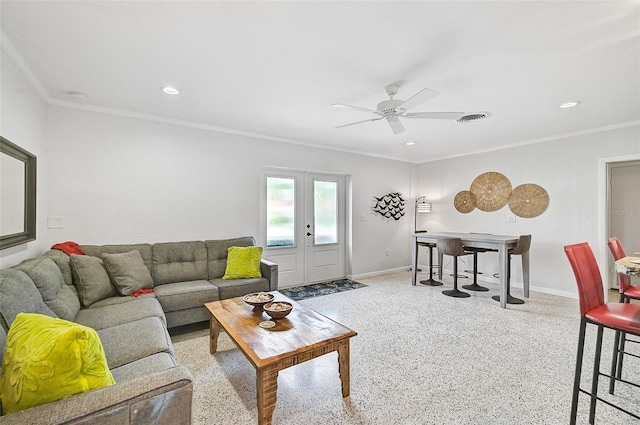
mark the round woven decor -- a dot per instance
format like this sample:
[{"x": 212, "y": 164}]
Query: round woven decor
[
  {"x": 492, "y": 191},
  {"x": 528, "y": 200},
  {"x": 464, "y": 201}
]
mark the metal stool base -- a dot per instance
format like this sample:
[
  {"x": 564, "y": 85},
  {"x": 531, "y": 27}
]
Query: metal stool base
[
  {"x": 510, "y": 299},
  {"x": 431, "y": 282},
  {"x": 456, "y": 293},
  {"x": 475, "y": 287}
]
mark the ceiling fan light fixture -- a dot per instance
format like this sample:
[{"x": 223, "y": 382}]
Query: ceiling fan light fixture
[{"x": 472, "y": 117}]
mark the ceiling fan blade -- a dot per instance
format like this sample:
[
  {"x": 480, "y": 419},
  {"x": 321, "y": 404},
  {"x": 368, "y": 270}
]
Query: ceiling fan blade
[
  {"x": 358, "y": 122},
  {"x": 418, "y": 98},
  {"x": 395, "y": 124},
  {"x": 356, "y": 108},
  {"x": 435, "y": 115}
]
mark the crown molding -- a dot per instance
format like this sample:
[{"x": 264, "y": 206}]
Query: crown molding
[{"x": 23, "y": 66}]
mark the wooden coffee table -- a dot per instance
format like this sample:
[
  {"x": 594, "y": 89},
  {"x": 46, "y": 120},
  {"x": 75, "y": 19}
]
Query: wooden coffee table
[{"x": 302, "y": 335}]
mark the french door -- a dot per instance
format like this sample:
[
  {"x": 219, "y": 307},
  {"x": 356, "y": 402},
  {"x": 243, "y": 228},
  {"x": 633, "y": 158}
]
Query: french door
[{"x": 303, "y": 225}]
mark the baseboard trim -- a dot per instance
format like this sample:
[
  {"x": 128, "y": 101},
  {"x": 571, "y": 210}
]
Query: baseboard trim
[{"x": 481, "y": 278}]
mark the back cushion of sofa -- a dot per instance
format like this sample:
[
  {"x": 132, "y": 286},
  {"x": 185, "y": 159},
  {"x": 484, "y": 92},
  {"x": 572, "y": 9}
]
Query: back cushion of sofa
[
  {"x": 217, "y": 253},
  {"x": 47, "y": 277},
  {"x": 62, "y": 261},
  {"x": 179, "y": 262},
  {"x": 18, "y": 294},
  {"x": 144, "y": 249}
]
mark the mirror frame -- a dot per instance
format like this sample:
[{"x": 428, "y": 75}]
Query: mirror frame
[{"x": 30, "y": 165}]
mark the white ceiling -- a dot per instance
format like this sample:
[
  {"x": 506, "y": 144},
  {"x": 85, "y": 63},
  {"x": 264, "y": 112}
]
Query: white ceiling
[{"x": 274, "y": 69}]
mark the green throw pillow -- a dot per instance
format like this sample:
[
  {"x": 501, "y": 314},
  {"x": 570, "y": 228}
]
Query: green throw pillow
[
  {"x": 243, "y": 262},
  {"x": 47, "y": 359}
]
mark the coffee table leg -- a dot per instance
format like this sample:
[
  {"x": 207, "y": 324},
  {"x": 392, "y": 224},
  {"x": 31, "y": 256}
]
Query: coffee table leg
[
  {"x": 343, "y": 367},
  {"x": 214, "y": 331},
  {"x": 267, "y": 386}
]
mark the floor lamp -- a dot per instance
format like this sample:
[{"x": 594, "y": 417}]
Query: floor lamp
[{"x": 422, "y": 206}]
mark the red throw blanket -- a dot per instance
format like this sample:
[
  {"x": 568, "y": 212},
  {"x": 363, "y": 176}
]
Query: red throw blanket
[
  {"x": 142, "y": 292},
  {"x": 69, "y": 248}
]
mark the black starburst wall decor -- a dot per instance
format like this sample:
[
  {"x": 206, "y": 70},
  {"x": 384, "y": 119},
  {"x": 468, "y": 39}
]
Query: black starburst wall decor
[{"x": 390, "y": 206}]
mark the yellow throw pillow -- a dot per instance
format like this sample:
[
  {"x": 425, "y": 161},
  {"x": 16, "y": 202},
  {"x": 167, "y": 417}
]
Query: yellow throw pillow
[
  {"x": 243, "y": 262},
  {"x": 47, "y": 359}
]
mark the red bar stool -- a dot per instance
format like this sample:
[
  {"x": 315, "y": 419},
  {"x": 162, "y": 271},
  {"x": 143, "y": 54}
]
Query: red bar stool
[
  {"x": 593, "y": 310},
  {"x": 628, "y": 292}
]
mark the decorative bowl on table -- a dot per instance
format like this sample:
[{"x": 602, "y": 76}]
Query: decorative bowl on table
[
  {"x": 278, "y": 309},
  {"x": 258, "y": 299}
]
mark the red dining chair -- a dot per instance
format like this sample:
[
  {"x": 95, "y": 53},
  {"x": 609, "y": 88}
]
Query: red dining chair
[
  {"x": 627, "y": 292},
  {"x": 621, "y": 317}
]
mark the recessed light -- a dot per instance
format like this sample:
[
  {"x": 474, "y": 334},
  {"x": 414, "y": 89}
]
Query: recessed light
[
  {"x": 170, "y": 90},
  {"x": 410, "y": 143},
  {"x": 569, "y": 104}
]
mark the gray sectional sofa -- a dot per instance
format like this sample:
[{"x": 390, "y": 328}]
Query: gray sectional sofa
[{"x": 150, "y": 386}]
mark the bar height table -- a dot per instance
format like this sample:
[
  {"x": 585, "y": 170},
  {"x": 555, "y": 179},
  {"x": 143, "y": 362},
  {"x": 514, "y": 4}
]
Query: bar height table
[{"x": 501, "y": 243}]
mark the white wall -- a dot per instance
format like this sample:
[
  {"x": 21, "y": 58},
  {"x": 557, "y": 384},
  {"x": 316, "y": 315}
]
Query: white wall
[
  {"x": 116, "y": 179},
  {"x": 567, "y": 168},
  {"x": 23, "y": 115}
]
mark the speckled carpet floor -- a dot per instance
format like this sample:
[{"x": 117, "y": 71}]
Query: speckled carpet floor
[{"x": 419, "y": 358}]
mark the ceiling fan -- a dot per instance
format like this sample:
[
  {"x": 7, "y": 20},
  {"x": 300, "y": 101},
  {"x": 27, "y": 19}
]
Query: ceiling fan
[{"x": 391, "y": 110}]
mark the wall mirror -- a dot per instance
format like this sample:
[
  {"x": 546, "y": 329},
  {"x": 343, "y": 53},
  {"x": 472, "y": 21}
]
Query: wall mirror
[{"x": 17, "y": 195}]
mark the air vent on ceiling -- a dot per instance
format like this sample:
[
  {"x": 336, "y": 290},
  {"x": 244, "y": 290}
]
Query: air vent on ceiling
[{"x": 472, "y": 117}]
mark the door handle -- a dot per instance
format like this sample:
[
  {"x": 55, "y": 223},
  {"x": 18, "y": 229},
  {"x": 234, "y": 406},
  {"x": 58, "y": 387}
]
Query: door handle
[{"x": 309, "y": 234}]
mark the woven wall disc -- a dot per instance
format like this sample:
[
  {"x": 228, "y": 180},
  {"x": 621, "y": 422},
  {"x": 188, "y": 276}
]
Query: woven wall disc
[
  {"x": 492, "y": 191},
  {"x": 528, "y": 200},
  {"x": 465, "y": 201}
]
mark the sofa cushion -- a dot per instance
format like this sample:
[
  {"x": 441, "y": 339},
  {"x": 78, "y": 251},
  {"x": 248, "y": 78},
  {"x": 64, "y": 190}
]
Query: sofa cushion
[
  {"x": 143, "y": 248},
  {"x": 117, "y": 314},
  {"x": 127, "y": 271},
  {"x": 183, "y": 295},
  {"x": 217, "y": 251},
  {"x": 47, "y": 359},
  {"x": 48, "y": 278},
  {"x": 239, "y": 287},
  {"x": 243, "y": 262},
  {"x": 18, "y": 294},
  {"x": 3, "y": 340},
  {"x": 179, "y": 262},
  {"x": 135, "y": 340},
  {"x": 118, "y": 299},
  {"x": 143, "y": 367},
  {"x": 62, "y": 261},
  {"x": 91, "y": 279}
]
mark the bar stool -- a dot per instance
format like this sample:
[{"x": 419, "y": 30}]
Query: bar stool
[
  {"x": 628, "y": 292},
  {"x": 621, "y": 317},
  {"x": 522, "y": 246},
  {"x": 474, "y": 286},
  {"x": 431, "y": 281},
  {"x": 454, "y": 248}
]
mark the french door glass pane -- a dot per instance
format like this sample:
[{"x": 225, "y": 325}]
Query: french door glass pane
[
  {"x": 325, "y": 212},
  {"x": 280, "y": 211}
]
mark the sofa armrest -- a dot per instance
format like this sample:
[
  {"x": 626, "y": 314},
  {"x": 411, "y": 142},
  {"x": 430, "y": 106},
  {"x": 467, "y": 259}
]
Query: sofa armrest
[
  {"x": 160, "y": 398},
  {"x": 270, "y": 271}
]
